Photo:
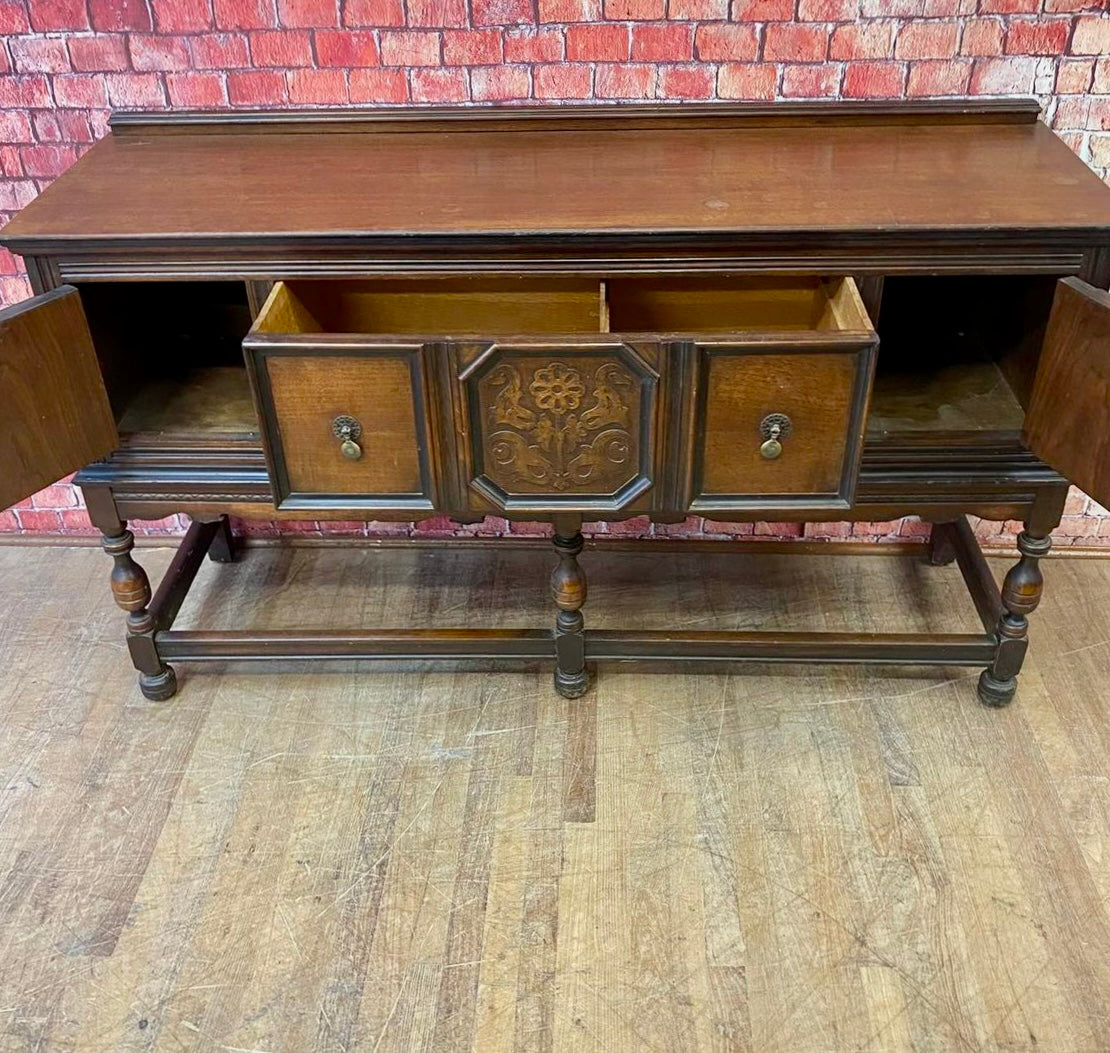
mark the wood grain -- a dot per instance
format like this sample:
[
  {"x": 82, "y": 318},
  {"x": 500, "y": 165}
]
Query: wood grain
[
  {"x": 797, "y": 861},
  {"x": 54, "y": 411},
  {"x": 1071, "y": 395},
  {"x": 813, "y": 177}
]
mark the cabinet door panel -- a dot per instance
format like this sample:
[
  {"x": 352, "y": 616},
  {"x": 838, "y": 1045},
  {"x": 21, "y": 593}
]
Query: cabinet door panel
[
  {"x": 54, "y": 411},
  {"x": 1068, "y": 422},
  {"x": 558, "y": 427}
]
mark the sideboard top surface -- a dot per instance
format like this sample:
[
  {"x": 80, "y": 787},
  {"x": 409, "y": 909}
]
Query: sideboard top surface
[{"x": 229, "y": 179}]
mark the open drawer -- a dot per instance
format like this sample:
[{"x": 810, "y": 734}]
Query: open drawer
[
  {"x": 777, "y": 375},
  {"x": 562, "y": 394}
]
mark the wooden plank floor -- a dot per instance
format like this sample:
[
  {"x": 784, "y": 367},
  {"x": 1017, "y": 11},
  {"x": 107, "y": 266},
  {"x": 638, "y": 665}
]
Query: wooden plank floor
[{"x": 388, "y": 859}]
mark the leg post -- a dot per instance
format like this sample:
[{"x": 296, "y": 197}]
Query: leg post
[
  {"x": 1021, "y": 592},
  {"x": 131, "y": 590},
  {"x": 224, "y": 547},
  {"x": 942, "y": 545},
  {"x": 568, "y": 590}
]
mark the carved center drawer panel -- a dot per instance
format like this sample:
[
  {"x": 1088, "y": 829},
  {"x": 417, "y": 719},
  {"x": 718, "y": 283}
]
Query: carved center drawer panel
[{"x": 532, "y": 396}]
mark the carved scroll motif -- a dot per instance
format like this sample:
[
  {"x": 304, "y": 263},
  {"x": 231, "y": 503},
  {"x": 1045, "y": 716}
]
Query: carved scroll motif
[{"x": 561, "y": 426}]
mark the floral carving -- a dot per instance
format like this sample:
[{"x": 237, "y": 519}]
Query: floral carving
[{"x": 561, "y": 426}]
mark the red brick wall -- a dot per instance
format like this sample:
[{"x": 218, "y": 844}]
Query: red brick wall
[{"x": 64, "y": 63}]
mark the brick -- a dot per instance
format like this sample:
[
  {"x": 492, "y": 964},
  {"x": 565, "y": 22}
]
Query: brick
[
  {"x": 281, "y": 47},
  {"x": 75, "y": 127},
  {"x": 220, "y": 51},
  {"x": 498, "y": 83},
  {"x": 1099, "y": 116},
  {"x": 864, "y": 40},
  {"x": 472, "y": 47},
  {"x": 600, "y": 43},
  {"x": 40, "y": 55},
  {"x": 533, "y": 45},
  {"x": 437, "y": 13},
  {"x": 637, "y": 526},
  {"x": 928, "y": 40},
  {"x": 14, "y": 290},
  {"x": 135, "y": 89},
  {"x": 1074, "y": 76},
  {"x": 14, "y": 195},
  {"x": 713, "y": 529},
  {"x": 1003, "y": 76},
  {"x": 569, "y": 10},
  {"x": 1101, "y": 83},
  {"x": 346, "y": 48},
  {"x": 775, "y": 530},
  {"x": 308, "y": 14},
  {"x": 624, "y": 81},
  {"x": 669, "y": 42},
  {"x": 698, "y": 10},
  {"x": 373, "y": 13},
  {"x": 565, "y": 81},
  {"x": 256, "y": 88},
  {"x": 10, "y": 164},
  {"x": 196, "y": 90},
  {"x": 439, "y": 85},
  {"x": 38, "y": 521},
  {"x": 17, "y": 92},
  {"x": 379, "y": 85},
  {"x": 948, "y": 8},
  {"x": 50, "y": 16},
  {"x": 982, "y": 37},
  {"x": 874, "y": 80},
  {"x": 1091, "y": 36},
  {"x": 635, "y": 10},
  {"x": 120, "y": 16},
  {"x": 1037, "y": 38},
  {"x": 828, "y": 10},
  {"x": 410, "y": 48},
  {"x": 182, "y": 16},
  {"x": 154, "y": 52},
  {"x": 55, "y": 497},
  {"x": 1072, "y": 112},
  {"x": 751, "y": 80},
  {"x": 46, "y": 127},
  {"x": 1066, "y": 6},
  {"x": 80, "y": 90},
  {"x": 811, "y": 82},
  {"x": 318, "y": 87},
  {"x": 1100, "y": 150},
  {"x": 501, "y": 12},
  {"x": 762, "y": 10},
  {"x": 13, "y": 17},
  {"x": 687, "y": 82},
  {"x": 930, "y": 78},
  {"x": 98, "y": 54},
  {"x": 47, "y": 160},
  {"x": 8, "y": 522},
  {"x": 15, "y": 127},
  {"x": 727, "y": 43},
  {"x": 244, "y": 14},
  {"x": 796, "y": 43},
  {"x": 76, "y": 521},
  {"x": 1009, "y": 7}
]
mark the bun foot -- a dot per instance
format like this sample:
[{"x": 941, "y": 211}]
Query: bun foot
[
  {"x": 159, "y": 687},
  {"x": 572, "y": 685},
  {"x": 996, "y": 693}
]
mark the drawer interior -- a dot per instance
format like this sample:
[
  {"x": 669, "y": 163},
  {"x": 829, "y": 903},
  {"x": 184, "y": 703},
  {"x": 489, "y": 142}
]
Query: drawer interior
[
  {"x": 735, "y": 303},
  {"x": 498, "y": 307},
  {"x": 495, "y": 307}
]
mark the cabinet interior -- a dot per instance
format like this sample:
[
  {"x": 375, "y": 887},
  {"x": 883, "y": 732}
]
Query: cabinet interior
[{"x": 957, "y": 354}]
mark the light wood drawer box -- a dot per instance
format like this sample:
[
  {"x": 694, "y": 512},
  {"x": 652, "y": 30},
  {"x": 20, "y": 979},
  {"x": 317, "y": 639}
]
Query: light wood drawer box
[{"x": 775, "y": 382}]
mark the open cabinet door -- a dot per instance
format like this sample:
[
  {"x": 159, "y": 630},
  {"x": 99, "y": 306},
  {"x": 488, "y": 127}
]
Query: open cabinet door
[
  {"x": 1068, "y": 422},
  {"x": 54, "y": 411}
]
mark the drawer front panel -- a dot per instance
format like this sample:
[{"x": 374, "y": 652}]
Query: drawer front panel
[
  {"x": 346, "y": 427},
  {"x": 817, "y": 399},
  {"x": 558, "y": 427}
]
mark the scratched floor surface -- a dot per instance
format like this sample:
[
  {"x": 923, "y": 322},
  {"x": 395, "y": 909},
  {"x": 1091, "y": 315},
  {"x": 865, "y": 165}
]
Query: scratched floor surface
[{"x": 412, "y": 859}]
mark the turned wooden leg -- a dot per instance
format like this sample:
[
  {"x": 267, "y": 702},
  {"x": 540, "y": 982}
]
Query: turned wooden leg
[
  {"x": 131, "y": 590},
  {"x": 942, "y": 544},
  {"x": 1021, "y": 592},
  {"x": 568, "y": 590},
  {"x": 224, "y": 547}
]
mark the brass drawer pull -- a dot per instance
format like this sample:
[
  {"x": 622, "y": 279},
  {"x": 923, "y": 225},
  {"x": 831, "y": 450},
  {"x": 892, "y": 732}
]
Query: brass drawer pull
[
  {"x": 774, "y": 428},
  {"x": 347, "y": 430}
]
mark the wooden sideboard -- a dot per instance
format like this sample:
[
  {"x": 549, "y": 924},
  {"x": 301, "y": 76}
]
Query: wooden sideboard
[{"x": 785, "y": 312}]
